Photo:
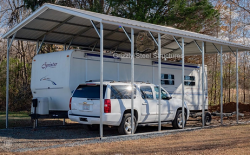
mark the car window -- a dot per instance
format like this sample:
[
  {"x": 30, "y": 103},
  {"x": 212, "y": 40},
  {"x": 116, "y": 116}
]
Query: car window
[
  {"x": 164, "y": 94},
  {"x": 121, "y": 92},
  {"x": 146, "y": 92},
  {"x": 85, "y": 91}
]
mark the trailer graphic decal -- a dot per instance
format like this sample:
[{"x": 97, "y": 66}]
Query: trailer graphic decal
[
  {"x": 50, "y": 65},
  {"x": 47, "y": 79}
]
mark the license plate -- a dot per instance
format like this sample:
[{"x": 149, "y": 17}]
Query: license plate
[{"x": 86, "y": 107}]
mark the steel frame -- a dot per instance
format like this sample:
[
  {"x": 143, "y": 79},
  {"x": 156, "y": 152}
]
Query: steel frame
[
  {"x": 9, "y": 43},
  {"x": 182, "y": 47},
  {"x": 202, "y": 50}
]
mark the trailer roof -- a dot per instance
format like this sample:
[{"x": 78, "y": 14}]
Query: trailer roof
[{"x": 62, "y": 24}]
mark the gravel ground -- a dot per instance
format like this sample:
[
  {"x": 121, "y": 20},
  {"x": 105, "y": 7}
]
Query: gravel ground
[
  {"x": 229, "y": 140},
  {"x": 27, "y": 139}
]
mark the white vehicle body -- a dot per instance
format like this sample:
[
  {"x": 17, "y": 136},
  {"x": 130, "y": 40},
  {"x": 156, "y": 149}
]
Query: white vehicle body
[
  {"x": 56, "y": 75},
  {"x": 146, "y": 108}
]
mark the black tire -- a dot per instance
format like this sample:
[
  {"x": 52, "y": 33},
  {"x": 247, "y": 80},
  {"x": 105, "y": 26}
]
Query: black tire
[
  {"x": 208, "y": 119},
  {"x": 93, "y": 127},
  {"x": 176, "y": 122},
  {"x": 124, "y": 129}
]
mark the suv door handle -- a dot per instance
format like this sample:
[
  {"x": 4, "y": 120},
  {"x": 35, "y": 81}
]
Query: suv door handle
[{"x": 144, "y": 103}]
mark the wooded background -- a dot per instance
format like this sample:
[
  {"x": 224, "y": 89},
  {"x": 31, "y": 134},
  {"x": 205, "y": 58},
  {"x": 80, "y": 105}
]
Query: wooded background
[{"x": 225, "y": 19}]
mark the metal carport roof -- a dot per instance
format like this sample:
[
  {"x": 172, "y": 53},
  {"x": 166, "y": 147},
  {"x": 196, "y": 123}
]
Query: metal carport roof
[{"x": 62, "y": 24}]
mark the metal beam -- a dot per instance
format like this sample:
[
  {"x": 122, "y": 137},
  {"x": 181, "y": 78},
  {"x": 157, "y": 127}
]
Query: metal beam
[
  {"x": 203, "y": 82},
  {"x": 95, "y": 28},
  {"x": 237, "y": 83},
  {"x": 186, "y": 45},
  {"x": 178, "y": 42},
  {"x": 77, "y": 35},
  {"x": 94, "y": 47},
  {"x": 127, "y": 33},
  {"x": 159, "y": 80},
  {"x": 132, "y": 78},
  {"x": 232, "y": 51},
  {"x": 105, "y": 36},
  {"x": 154, "y": 38},
  {"x": 41, "y": 44},
  {"x": 237, "y": 88},
  {"x": 70, "y": 43},
  {"x": 216, "y": 49},
  {"x": 57, "y": 26},
  {"x": 183, "y": 74},
  {"x": 9, "y": 43},
  {"x": 221, "y": 87},
  {"x": 167, "y": 43},
  {"x": 198, "y": 45},
  {"x": 101, "y": 80}
]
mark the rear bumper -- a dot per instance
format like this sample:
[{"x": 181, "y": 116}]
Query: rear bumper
[{"x": 113, "y": 119}]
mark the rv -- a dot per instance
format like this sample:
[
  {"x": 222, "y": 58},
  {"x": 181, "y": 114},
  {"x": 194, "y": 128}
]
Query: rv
[{"x": 56, "y": 75}]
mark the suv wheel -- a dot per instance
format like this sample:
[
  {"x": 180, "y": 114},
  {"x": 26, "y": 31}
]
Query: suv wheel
[
  {"x": 177, "y": 122},
  {"x": 125, "y": 127}
]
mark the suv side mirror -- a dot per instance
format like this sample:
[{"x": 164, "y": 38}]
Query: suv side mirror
[{"x": 168, "y": 98}]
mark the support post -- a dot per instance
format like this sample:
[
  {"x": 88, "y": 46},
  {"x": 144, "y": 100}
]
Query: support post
[
  {"x": 237, "y": 88},
  {"x": 101, "y": 79},
  {"x": 182, "y": 94},
  {"x": 203, "y": 90},
  {"x": 132, "y": 79},
  {"x": 9, "y": 43},
  {"x": 7, "y": 86},
  {"x": 221, "y": 87},
  {"x": 159, "y": 80}
]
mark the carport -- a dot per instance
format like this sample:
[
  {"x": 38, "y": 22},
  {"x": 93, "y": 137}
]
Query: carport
[{"x": 53, "y": 24}]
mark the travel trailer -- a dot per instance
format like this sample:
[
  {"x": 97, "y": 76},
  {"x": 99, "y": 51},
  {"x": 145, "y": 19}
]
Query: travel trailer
[{"x": 56, "y": 75}]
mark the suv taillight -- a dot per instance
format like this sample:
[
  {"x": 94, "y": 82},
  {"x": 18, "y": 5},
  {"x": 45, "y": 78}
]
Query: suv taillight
[
  {"x": 107, "y": 106},
  {"x": 70, "y": 103}
]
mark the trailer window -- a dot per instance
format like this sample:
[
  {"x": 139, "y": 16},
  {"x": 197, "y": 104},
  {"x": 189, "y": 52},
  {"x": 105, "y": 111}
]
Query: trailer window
[
  {"x": 189, "y": 80},
  {"x": 146, "y": 92},
  {"x": 90, "y": 92},
  {"x": 121, "y": 92},
  {"x": 167, "y": 79}
]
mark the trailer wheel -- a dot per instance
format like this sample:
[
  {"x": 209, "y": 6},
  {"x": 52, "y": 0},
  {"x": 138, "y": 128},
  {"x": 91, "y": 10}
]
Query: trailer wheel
[
  {"x": 125, "y": 126},
  {"x": 208, "y": 118},
  {"x": 177, "y": 122}
]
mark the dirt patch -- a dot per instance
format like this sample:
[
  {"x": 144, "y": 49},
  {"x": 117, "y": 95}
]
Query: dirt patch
[{"x": 231, "y": 107}]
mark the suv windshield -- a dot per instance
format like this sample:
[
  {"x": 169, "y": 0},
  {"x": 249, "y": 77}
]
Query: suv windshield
[{"x": 92, "y": 92}]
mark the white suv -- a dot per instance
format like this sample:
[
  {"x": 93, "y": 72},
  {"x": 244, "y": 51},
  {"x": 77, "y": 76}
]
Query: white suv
[{"x": 85, "y": 105}]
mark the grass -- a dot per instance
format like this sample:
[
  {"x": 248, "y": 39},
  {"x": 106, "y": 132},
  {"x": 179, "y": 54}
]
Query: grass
[
  {"x": 14, "y": 114},
  {"x": 14, "y": 118}
]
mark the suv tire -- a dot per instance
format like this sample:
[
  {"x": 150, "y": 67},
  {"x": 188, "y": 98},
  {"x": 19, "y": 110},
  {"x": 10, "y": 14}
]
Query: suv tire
[
  {"x": 125, "y": 126},
  {"x": 177, "y": 122}
]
